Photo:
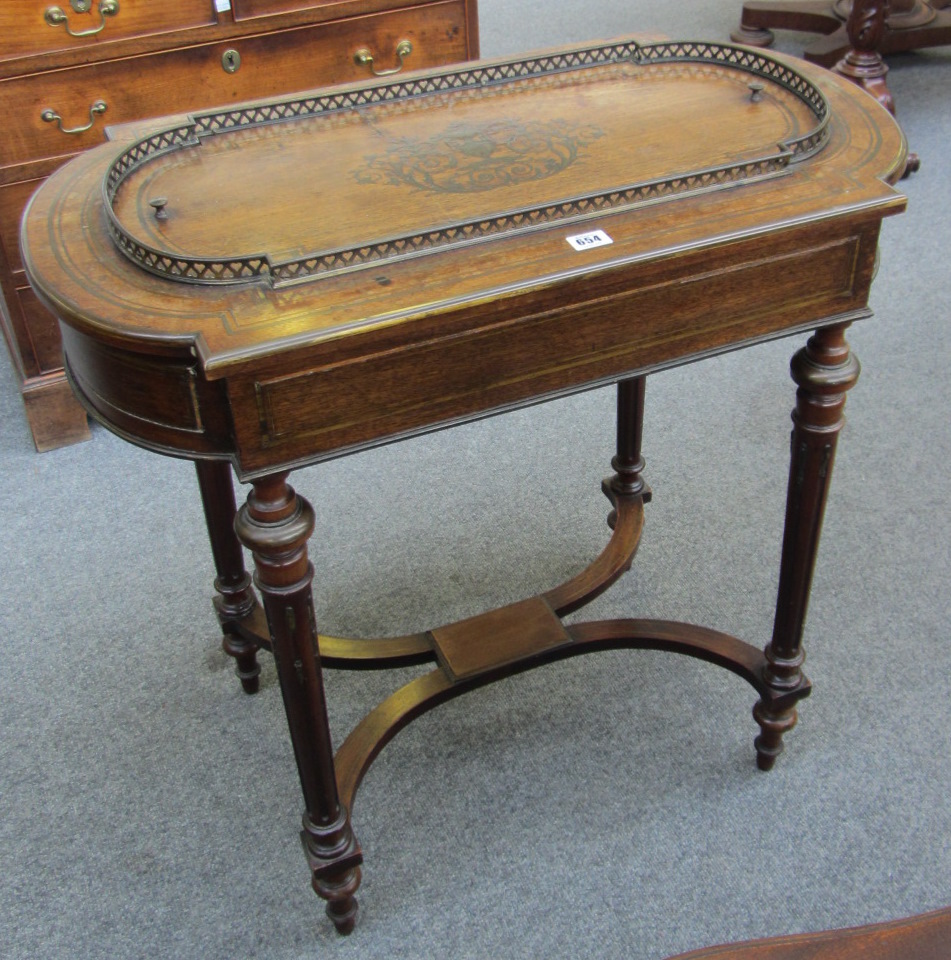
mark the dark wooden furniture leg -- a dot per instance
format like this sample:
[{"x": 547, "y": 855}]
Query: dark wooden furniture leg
[
  {"x": 628, "y": 463},
  {"x": 275, "y": 525},
  {"x": 823, "y": 370},
  {"x": 236, "y": 600}
]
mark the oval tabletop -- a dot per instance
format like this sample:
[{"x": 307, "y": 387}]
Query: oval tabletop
[
  {"x": 299, "y": 232},
  {"x": 285, "y": 194}
]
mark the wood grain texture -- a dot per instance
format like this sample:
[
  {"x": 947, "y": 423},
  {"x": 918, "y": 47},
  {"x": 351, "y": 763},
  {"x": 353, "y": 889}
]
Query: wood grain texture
[
  {"x": 924, "y": 937},
  {"x": 142, "y": 27},
  {"x": 187, "y": 76},
  {"x": 458, "y": 332}
]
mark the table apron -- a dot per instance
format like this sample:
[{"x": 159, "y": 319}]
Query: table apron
[
  {"x": 304, "y": 405},
  {"x": 604, "y": 328}
]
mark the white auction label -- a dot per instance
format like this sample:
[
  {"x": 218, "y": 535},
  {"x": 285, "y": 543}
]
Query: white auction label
[{"x": 585, "y": 241}]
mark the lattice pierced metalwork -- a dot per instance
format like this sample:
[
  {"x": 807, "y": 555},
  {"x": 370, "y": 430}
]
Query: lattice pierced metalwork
[{"x": 329, "y": 262}]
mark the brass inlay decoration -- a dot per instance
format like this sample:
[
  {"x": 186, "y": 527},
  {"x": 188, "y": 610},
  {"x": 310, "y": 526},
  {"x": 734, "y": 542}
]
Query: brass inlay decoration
[{"x": 490, "y": 153}]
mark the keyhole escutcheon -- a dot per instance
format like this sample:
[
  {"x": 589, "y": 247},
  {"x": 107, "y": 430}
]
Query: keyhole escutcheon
[{"x": 230, "y": 61}]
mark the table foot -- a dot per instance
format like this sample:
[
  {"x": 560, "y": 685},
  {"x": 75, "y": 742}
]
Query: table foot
[
  {"x": 334, "y": 860},
  {"x": 247, "y": 669},
  {"x": 341, "y": 907},
  {"x": 769, "y": 744},
  {"x": 760, "y": 17},
  {"x": 753, "y": 36}
]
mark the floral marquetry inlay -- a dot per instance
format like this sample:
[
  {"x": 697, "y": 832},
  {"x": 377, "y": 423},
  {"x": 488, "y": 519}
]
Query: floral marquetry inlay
[{"x": 470, "y": 159}]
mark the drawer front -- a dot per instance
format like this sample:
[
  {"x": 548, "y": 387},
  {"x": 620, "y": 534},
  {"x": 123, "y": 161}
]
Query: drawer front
[
  {"x": 31, "y": 27},
  {"x": 79, "y": 102},
  {"x": 248, "y": 9},
  {"x": 334, "y": 9}
]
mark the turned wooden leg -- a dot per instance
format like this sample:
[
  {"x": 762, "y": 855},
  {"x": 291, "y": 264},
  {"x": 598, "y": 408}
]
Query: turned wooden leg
[
  {"x": 628, "y": 462},
  {"x": 235, "y": 598},
  {"x": 823, "y": 370},
  {"x": 275, "y": 525}
]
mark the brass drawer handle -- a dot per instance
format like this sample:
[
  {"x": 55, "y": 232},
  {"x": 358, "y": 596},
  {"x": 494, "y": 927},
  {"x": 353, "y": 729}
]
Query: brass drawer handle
[
  {"x": 51, "y": 116},
  {"x": 364, "y": 58},
  {"x": 55, "y": 16}
]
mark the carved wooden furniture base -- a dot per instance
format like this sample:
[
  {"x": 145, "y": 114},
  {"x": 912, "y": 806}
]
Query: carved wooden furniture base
[{"x": 911, "y": 25}]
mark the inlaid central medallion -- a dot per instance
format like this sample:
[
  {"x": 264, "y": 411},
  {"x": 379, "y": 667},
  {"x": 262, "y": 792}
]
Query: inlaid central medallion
[{"x": 472, "y": 159}]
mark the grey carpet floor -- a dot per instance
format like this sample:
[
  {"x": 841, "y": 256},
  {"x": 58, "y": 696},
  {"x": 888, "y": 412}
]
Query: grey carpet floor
[{"x": 607, "y": 807}]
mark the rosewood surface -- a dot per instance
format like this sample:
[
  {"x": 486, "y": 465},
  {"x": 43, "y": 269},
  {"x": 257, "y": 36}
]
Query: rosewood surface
[{"x": 292, "y": 280}]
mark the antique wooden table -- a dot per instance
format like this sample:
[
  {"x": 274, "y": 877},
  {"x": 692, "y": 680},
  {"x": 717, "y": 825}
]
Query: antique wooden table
[{"x": 269, "y": 286}]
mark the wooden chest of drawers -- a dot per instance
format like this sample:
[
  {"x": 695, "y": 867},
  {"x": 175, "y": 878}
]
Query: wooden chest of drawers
[{"x": 68, "y": 71}]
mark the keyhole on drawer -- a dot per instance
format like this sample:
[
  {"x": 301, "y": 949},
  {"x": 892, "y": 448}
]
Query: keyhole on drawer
[
  {"x": 81, "y": 6},
  {"x": 230, "y": 61}
]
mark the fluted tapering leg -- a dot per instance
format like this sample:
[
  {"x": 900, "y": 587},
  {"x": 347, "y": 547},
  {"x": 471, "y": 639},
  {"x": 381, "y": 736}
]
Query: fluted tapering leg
[
  {"x": 275, "y": 525},
  {"x": 823, "y": 370},
  {"x": 235, "y": 598}
]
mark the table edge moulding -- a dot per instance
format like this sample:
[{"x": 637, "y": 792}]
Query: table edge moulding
[{"x": 538, "y": 226}]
